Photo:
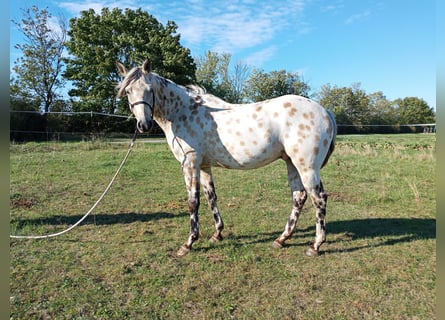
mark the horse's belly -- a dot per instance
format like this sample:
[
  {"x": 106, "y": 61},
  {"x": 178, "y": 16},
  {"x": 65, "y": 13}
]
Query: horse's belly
[{"x": 243, "y": 155}]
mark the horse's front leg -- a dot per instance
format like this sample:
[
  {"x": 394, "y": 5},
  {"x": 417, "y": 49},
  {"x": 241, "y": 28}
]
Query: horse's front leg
[
  {"x": 191, "y": 175},
  {"x": 210, "y": 194}
]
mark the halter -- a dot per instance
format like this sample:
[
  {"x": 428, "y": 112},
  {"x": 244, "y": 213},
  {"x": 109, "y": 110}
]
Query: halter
[{"x": 146, "y": 103}]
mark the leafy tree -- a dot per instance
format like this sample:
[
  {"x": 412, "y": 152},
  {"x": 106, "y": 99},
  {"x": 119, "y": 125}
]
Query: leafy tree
[
  {"x": 130, "y": 36},
  {"x": 381, "y": 110},
  {"x": 262, "y": 85},
  {"x": 38, "y": 73},
  {"x": 349, "y": 104},
  {"x": 214, "y": 74},
  {"x": 413, "y": 110}
]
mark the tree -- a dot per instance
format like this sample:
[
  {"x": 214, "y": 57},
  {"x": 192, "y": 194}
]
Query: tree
[
  {"x": 349, "y": 104},
  {"x": 262, "y": 85},
  {"x": 413, "y": 110},
  {"x": 97, "y": 41},
  {"x": 381, "y": 110},
  {"x": 238, "y": 80},
  {"x": 214, "y": 74},
  {"x": 38, "y": 73}
]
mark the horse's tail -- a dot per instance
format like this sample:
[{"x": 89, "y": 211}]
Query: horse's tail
[{"x": 334, "y": 130}]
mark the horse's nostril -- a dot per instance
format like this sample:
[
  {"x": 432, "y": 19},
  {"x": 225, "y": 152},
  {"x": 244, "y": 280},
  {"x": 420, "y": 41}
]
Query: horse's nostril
[{"x": 144, "y": 126}]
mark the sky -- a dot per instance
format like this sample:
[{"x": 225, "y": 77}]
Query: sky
[{"x": 386, "y": 46}]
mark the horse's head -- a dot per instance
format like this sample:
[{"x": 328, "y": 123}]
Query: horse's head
[{"x": 140, "y": 93}]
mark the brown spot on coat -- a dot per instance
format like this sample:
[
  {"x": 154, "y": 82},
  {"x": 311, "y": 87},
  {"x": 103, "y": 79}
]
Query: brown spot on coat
[
  {"x": 328, "y": 120},
  {"x": 317, "y": 138},
  {"x": 287, "y": 104},
  {"x": 292, "y": 112},
  {"x": 248, "y": 153},
  {"x": 325, "y": 142}
]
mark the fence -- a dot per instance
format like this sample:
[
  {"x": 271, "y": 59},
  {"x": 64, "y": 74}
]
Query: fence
[{"x": 36, "y": 126}]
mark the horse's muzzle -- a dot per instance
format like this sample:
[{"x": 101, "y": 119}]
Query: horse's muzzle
[{"x": 143, "y": 126}]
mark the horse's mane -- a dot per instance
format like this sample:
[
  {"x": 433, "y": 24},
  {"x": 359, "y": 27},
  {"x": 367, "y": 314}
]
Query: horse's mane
[
  {"x": 201, "y": 93},
  {"x": 193, "y": 90},
  {"x": 132, "y": 75}
]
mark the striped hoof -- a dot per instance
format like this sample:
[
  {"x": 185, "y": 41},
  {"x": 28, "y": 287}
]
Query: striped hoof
[
  {"x": 311, "y": 252},
  {"x": 277, "y": 244},
  {"x": 183, "y": 251},
  {"x": 216, "y": 238}
]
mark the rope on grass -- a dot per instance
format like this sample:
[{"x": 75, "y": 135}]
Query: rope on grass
[{"x": 92, "y": 208}]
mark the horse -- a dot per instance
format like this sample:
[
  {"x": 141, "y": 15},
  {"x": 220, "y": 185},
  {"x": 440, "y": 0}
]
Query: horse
[{"x": 204, "y": 131}]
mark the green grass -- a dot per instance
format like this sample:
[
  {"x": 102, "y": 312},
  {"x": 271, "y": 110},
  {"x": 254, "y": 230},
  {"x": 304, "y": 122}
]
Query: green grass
[{"x": 379, "y": 261}]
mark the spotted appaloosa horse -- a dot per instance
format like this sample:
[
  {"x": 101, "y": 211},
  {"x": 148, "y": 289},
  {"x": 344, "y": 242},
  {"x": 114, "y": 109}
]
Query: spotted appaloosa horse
[{"x": 204, "y": 131}]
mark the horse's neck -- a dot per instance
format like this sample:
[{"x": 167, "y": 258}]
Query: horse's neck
[{"x": 171, "y": 103}]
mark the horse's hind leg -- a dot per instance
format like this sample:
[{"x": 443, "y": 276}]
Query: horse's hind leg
[
  {"x": 319, "y": 200},
  {"x": 210, "y": 194},
  {"x": 298, "y": 199}
]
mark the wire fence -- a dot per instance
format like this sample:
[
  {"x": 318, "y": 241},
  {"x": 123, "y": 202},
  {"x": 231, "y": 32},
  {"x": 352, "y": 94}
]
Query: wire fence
[
  {"x": 28, "y": 125},
  {"x": 71, "y": 113}
]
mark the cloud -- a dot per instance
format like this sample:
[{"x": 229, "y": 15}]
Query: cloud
[
  {"x": 259, "y": 57},
  {"x": 222, "y": 26},
  {"x": 75, "y": 7},
  {"x": 357, "y": 17},
  {"x": 333, "y": 7},
  {"x": 229, "y": 26}
]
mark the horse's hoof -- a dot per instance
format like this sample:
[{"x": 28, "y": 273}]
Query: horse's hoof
[
  {"x": 183, "y": 251},
  {"x": 216, "y": 238},
  {"x": 311, "y": 252},
  {"x": 277, "y": 244}
]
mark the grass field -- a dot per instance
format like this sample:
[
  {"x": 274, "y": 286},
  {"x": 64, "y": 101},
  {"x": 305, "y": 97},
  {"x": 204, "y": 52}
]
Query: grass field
[{"x": 379, "y": 261}]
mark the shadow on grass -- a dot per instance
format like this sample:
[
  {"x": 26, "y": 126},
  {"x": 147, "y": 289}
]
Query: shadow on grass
[
  {"x": 380, "y": 232},
  {"x": 100, "y": 219}
]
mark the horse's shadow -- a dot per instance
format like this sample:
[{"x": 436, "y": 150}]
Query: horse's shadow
[
  {"x": 101, "y": 218},
  {"x": 382, "y": 231}
]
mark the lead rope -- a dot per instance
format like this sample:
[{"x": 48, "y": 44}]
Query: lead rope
[{"x": 93, "y": 207}]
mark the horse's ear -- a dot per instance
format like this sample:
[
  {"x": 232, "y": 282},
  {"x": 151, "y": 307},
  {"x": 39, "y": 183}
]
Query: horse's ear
[
  {"x": 121, "y": 68},
  {"x": 146, "y": 67}
]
